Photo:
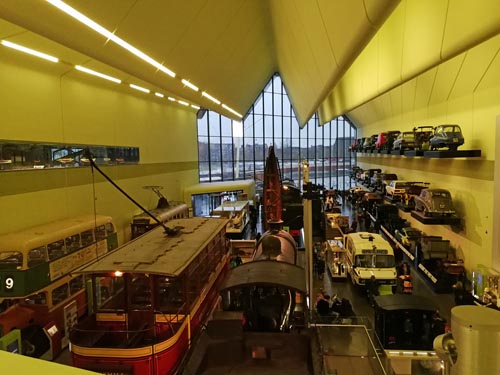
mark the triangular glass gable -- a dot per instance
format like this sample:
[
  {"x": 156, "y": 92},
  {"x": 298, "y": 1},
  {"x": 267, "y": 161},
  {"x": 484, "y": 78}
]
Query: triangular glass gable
[{"x": 227, "y": 152}]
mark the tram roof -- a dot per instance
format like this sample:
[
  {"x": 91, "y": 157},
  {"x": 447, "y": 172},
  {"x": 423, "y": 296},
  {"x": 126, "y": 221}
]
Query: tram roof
[
  {"x": 405, "y": 302},
  {"x": 156, "y": 253},
  {"x": 266, "y": 272}
]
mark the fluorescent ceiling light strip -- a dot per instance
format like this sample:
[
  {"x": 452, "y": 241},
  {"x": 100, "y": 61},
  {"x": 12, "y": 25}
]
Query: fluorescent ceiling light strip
[
  {"x": 231, "y": 110},
  {"x": 159, "y": 94},
  {"x": 108, "y": 34},
  {"x": 29, "y": 51},
  {"x": 207, "y": 95},
  {"x": 183, "y": 102},
  {"x": 97, "y": 74},
  {"x": 195, "y": 106},
  {"x": 171, "y": 99},
  {"x": 139, "y": 88},
  {"x": 189, "y": 84}
]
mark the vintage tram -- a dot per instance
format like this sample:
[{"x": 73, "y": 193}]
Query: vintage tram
[
  {"x": 143, "y": 222},
  {"x": 151, "y": 297}
]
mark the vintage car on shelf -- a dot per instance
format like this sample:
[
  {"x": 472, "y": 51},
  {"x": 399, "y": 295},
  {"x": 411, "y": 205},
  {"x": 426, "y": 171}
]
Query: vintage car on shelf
[
  {"x": 396, "y": 189},
  {"x": 422, "y": 136},
  {"x": 408, "y": 236},
  {"x": 449, "y": 136},
  {"x": 404, "y": 141},
  {"x": 434, "y": 202},
  {"x": 386, "y": 180},
  {"x": 385, "y": 140},
  {"x": 369, "y": 144},
  {"x": 367, "y": 175}
]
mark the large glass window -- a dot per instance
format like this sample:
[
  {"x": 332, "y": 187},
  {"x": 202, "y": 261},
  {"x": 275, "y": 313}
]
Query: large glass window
[{"x": 225, "y": 155}]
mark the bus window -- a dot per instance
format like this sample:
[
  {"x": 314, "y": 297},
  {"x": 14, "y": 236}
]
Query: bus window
[
  {"x": 37, "y": 256},
  {"x": 73, "y": 243},
  {"x": 56, "y": 249},
  {"x": 76, "y": 285},
  {"x": 87, "y": 237},
  {"x": 4, "y": 305},
  {"x": 37, "y": 299},
  {"x": 60, "y": 294},
  {"x": 110, "y": 229},
  {"x": 100, "y": 232},
  {"x": 11, "y": 259}
]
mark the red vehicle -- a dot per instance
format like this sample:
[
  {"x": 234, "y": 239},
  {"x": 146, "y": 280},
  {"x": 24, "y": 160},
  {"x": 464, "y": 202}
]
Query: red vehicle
[
  {"x": 151, "y": 298},
  {"x": 385, "y": 140}
]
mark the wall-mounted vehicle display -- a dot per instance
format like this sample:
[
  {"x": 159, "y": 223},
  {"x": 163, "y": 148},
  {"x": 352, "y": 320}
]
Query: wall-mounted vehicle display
[
  {"x": 449, "y": 136},
  {"x": 405, "y": 141},
  {"x": 434, "y": 202},
  {"x": 396, "y": 189},
  {"x": 408, "y": 236},
  {"x": 422, "y": 136},
  {"x": 386, "y": 140}
]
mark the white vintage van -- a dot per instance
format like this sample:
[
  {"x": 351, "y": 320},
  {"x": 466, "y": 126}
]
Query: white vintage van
[{"x": 368, "y": 254}]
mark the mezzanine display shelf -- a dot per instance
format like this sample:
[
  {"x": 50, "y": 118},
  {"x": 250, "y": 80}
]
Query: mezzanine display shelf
[{"x": 438, "y": 154}]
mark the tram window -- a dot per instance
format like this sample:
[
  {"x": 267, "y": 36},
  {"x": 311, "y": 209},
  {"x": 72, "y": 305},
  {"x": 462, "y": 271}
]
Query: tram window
[
  {"x": 110, "y": 293},
  {"x": 76, "y": 285},
  {"x": 11, "y": 258},
  {"x": 37, "y": 299},
  {"x": 37, "y": 256},
  {"x": 73, "y": 243},
  {"x": 140, "y": 292},
  {"x": 60, "y": 294},
  {"x": 56, "y": 249},
  {"x": 170, "y": 296}
]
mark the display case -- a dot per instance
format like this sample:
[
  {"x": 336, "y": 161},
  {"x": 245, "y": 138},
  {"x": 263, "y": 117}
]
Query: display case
[
  {"x": 485, "y": 285},
  {"x": 336, "y": 260}
]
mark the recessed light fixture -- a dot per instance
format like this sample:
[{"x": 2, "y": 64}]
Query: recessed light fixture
[
  {"x": 231, "y": 110},
  {"x": 190, "y": 85},
  {"x": 208, "y": 96},
  {"x": 109, "y": 35},
  {"x": 171, "y": 99},
  {"x": 159, "y": 94},
  {"x": 183, "y": 102},
  {"x": 97, "y": 74},
  {"x": 29, "y": 51},
  {"x": 195, "y": 106},
  {"x": 135, "y": 87}
]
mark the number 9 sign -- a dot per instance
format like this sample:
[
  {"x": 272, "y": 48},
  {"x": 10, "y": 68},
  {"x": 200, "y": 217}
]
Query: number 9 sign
[{"x": 8, "y": 283}]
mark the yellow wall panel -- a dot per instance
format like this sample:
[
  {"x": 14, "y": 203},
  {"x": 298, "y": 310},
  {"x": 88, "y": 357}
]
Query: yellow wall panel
[
  {"x": 491, "y": 77},
  {"x": 425, "y": 83},
  {"x": 468, "y": 20},
  {"x": 478, "y": 61},
  {"x": 390, "y": 47},
  {"x": 41, "y": 105},
  {"x": 446, "y": 75},
  {"x": 423, "y": 32}
]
